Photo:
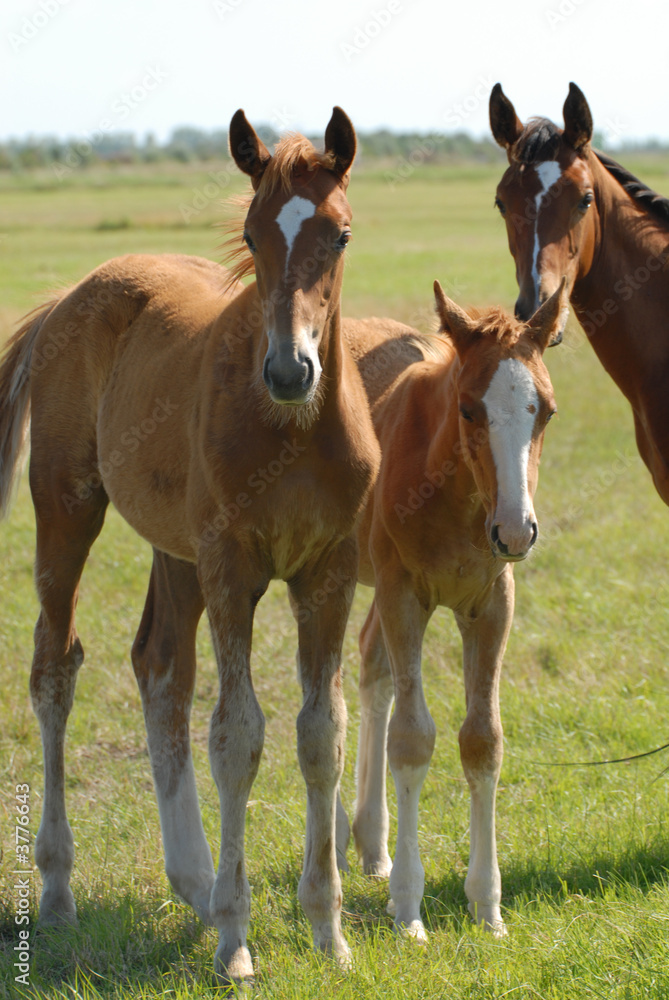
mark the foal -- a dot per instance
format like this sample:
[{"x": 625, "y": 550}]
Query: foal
[
  {"x": 221, "y": 381},
  {"x": 461, "y": 432}
]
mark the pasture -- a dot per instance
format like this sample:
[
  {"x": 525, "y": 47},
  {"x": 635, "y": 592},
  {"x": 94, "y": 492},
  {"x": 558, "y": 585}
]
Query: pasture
[{"x": 584, "y": 852}]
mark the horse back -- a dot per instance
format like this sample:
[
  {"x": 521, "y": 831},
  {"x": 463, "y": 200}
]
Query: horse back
[{"x": 114, "y": 363}]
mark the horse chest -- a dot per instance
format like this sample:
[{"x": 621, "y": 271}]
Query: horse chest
[{"x": 460, "y": 582}]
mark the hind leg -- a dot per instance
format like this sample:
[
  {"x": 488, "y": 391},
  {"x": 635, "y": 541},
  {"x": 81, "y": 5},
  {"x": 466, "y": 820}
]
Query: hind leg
[
  {"x": 163, "y": 656},
  {"x": 64, "y": 538}
]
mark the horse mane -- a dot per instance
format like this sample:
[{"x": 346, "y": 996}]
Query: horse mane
[
  {"x": 497, "y": 324},
  {"x": 293, "y": 154},
  {"x": 655, "y": 204}
]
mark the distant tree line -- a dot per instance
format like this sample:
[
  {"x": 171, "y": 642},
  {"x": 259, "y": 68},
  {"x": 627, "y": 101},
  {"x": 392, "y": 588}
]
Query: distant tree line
[{"x": 193, "y": 145}]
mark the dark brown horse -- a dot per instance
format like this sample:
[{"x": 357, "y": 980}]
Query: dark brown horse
[
  {"x": 570, "y": 210},
  {"x": 164, "y": 385}
]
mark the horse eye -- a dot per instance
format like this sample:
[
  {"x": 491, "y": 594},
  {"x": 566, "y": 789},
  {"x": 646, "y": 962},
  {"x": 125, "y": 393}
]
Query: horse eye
[
  {"x": 342, "y": 242},
  {"x": 551, "y": 414},
  {"x": 466, "y": 415},
  {"x": 249, "y": 242},
  {"x": 586, "y": 201},
  {"x": 501, "y": 206}
]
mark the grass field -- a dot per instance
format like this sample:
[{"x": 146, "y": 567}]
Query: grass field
[{"x": 584, "y": 852}]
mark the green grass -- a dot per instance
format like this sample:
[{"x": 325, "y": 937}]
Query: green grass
[{"x": 584, "y": 852}]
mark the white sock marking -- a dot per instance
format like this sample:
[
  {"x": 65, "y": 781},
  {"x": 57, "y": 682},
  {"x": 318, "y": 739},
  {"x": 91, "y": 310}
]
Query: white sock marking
[
  {"x": 290, "y": 219},
  {"x": 548, "y": 173}
]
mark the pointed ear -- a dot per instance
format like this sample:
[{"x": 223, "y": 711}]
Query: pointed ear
[
  {"x": 247, "y": 149},
  {"x": 505, "y": 124},
  {"x": 455, "y": 322},
  {"x": 542, "y": 328},
  {"x": 577, "y": 119},
  {"x": 340, "y": 141}
]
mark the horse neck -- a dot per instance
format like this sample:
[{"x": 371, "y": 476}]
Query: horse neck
[
  {"x": 445, "y": 453},
  {"x": 629, "y": 257},
  {"x": 334, "y": 352}
]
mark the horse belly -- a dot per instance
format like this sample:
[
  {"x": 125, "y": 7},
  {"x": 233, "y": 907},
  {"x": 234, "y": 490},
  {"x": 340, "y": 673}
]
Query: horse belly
[
  {"x": 143, "y": 458},
  {"x": 152, "y": 500}
]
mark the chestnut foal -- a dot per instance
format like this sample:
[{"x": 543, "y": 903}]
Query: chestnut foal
[
  {"x": 461, "y": 432},
  {"x": 161, "y": 384}
]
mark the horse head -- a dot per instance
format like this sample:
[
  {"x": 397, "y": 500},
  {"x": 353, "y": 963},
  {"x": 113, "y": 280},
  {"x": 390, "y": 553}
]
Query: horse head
[
  {"x": 297, "y": 228},
  {"x": 547, "y": 199},
  {"x": 505, "y": 400}
]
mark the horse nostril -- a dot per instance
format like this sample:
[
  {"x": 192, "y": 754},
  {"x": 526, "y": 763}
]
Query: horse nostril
[
  {"x": 535, "y": 533},
  {"x": 309, "y": 376},
  {"x": 494, "y": 536},
  {"x": 267, "y": 378}
]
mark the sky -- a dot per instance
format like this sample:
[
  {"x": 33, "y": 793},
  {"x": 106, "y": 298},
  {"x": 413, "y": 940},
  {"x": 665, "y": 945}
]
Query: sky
[{"x": 80, "y": 68}]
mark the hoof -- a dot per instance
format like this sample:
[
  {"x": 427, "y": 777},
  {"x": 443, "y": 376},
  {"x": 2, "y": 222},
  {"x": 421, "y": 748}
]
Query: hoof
[
  {"x": 413, "y": 931},
  {"x": 57, "y": 910},
  {"x": 234, "y": 969},
  {"x": 344, "y": 958},
  {"x": 488, "y": 919},
  {"x": 380, "y": 868}
]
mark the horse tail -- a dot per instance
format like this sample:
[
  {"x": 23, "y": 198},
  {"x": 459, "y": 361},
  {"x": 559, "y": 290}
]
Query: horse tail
[{"x": 15, "y": 399}]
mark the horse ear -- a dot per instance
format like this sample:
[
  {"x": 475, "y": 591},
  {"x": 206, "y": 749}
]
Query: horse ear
[
  {"x": 577, "y": 118},
  {"x": 247, "y": 150},
  {"x": 340, "y": 141},
  {"x": 505, "y": 124},
  {"x": 455, "y": 322},
  {"x": 543, "y": 326}
]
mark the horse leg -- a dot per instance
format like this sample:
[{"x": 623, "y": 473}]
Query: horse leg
[
  {"x": 484, "y": 642},
  {"x": 343, "y": 829},
  {"x": 64, "y": 538},
  {"x": 411, "y": 736},
  {"x": 232, "y": 585},
  {"x": 322, "y": 597},
  {"x": 370, "y": 827},
  {"x": 163, "y": 657}
]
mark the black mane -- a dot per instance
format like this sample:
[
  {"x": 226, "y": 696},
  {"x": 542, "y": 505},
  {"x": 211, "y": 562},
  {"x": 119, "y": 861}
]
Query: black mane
[{"x": 653, "y": 202}]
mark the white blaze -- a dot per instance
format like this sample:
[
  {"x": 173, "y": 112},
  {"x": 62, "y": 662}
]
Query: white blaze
[
  {"x": 512, "y": 402},
  {"x": 548, "y": 173},
  {"x": 290, "y": 219}
]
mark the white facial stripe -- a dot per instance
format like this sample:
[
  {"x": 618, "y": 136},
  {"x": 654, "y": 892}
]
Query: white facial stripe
[
  {"x": 512, "y": 403},
  {"x": 548, "y": 173},
  {"x": 290, "y": 219}
]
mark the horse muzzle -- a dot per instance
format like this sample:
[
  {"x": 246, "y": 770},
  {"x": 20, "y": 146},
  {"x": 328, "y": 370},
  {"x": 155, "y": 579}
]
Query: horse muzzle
[
  {"x": 513, "y": 546},
  {"x": 291, "y": 377}
]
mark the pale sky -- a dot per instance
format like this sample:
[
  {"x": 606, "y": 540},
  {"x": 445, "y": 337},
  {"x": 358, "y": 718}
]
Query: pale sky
[{"x": 71, "y": 67}]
